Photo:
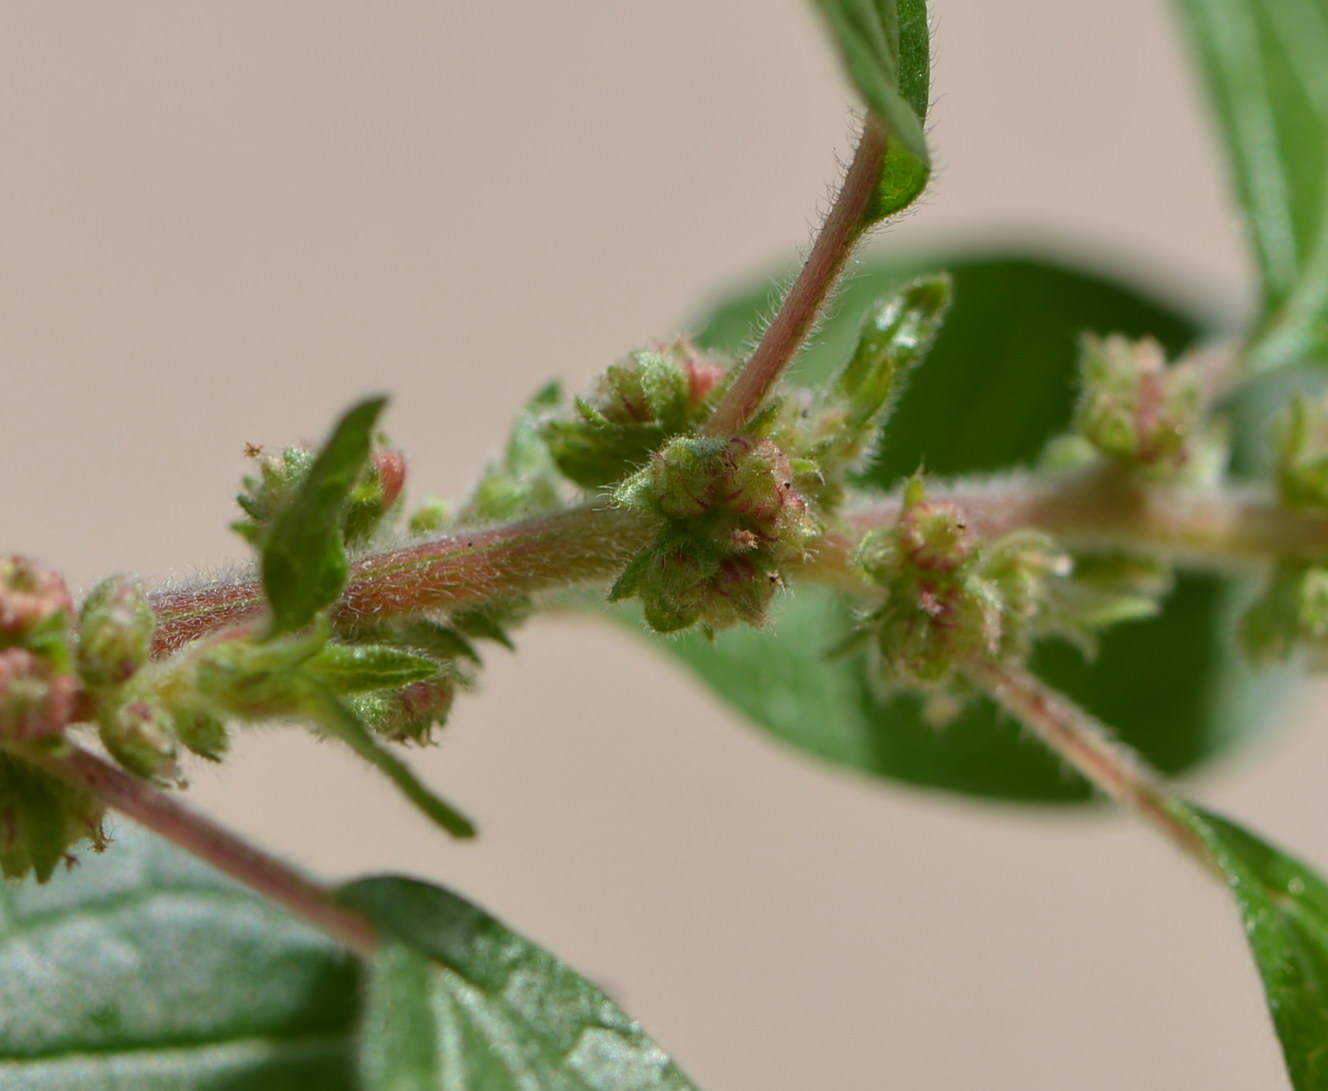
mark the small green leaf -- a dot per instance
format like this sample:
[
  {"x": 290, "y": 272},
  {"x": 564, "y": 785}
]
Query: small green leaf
[
  {"x": 997, "y": 384},
  {"x": 885, "y": 48},
  {"x": 458, "y": 1002},
  {"x": 339, "y": 721},
  {"x": 1264, "y": 65},
  {"x": 1284, "y": 908},
  {"x": 140, "y": 968},
  {"x": 362, "y": 668},
  {"x": 303, "y": 556}
]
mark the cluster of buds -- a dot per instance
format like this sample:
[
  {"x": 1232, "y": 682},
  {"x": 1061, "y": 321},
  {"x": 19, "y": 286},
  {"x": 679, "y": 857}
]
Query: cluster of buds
[
  {"x": 637, "y": 404},
  {"x": 1300, "y": 444},
  {"x": 37, "y": 687},
  {"x": 40, "y": 817},
  {"x": 951, "y": 598},
  {"x": 732, "y": 521},
  {"x": 1141, "y": 413},
  {"x": 1291, "y": 613},
  {"x": 373, "y": 498}
]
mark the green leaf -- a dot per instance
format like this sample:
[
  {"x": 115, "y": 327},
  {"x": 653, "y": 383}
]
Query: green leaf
[
  {"x": 1284, "y": 908},
  {"x": 303, "y": 556},
  {"x": 458, "y": 1002},
  {"x": 139, "y": 969},
  {"x": 997, "y": 384},
  {"x": 1265, "y": 63},
  {"x": 362, "y": 668},
  {"x": 340, "y": 722},
  {"x": 885, "y": 48}
]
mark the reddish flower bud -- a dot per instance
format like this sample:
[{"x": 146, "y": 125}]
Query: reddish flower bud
[
  {"x": 35, "y": 700},
  {"x": 391, "y": 466},
  {"x": 30, "y": 598}
]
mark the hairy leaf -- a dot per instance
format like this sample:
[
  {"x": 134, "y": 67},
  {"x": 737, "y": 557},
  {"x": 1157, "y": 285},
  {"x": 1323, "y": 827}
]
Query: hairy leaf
[
  {"x": 458, "y": 1002},
  {"x": 1284, "y": 908},
  {"x": 144, "y": 969},
  {"x": 303, "y": 555},
  {"x": 997, "y": 384},
  {"x": 361, "y": 668},
  {"x": 1265, "y": 64},
  {"x": 885, "y": 47}
]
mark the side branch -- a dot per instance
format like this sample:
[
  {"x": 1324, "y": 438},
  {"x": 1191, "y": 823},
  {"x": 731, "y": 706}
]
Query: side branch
[
  {"x": 802, "y": 306},
  {"x": 1223, "y": 529},
  {"x": 262, "y": 873},
  {"x": 1088, "y": 746}
]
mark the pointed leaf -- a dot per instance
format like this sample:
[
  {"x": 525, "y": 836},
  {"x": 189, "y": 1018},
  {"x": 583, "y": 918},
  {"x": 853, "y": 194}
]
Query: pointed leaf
[
  {"x": 303, "y": 556},
  {"x": 1284, "y": 908},
  {"x": 362, "y": 668},
  {"x": 137, "y": 969},
  {"x": 885, "y": 48},
  {"x": 1265, "y": 64},
  {"x": 458, "y": 1002},
  {"x": 340, "y": 722}
]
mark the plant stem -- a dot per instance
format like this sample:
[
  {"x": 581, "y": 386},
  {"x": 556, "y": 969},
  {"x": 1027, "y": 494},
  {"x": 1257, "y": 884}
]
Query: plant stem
[
  {"x": 1231, "y": 529},
  {"x": 575, "y": 546},
  {"x": 262, "y": 873},
  {"x": 1227, "y": 529},
  {"x": 1088, "y": 746},
  {"x": 802, "y": 306}
]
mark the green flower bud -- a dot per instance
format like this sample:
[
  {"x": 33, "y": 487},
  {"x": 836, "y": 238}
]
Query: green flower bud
[
  {"x": 138, "y": 735},
  {"x": 201, "y": 732},
  {"x": 733, "y": 519},
  {"x": 637, "y": 404},
  {"x": 267, "y": 492},
  {"x": 1300, "y": 441},
  {"x": 1291, "y": 613},
  {"x": 40, "y": 819},
  {"x": 1134, "y": 408},
  {"x": 410, "y": 714},
  {"x": 115, "y": 629}
]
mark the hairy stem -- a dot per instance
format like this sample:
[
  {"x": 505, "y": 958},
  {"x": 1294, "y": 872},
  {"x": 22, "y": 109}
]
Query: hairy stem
[
  {"x": 1087, "y": 745},
  {"x": 1225, "y": 529},
  {"x": 262, "y": 873},
  {"x": 576, "y": 546},
  {"x": 802, "y": 306}
]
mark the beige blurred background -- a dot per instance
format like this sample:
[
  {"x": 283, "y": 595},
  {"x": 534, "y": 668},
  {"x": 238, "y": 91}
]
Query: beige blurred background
[{"x": 223, "y": 221}]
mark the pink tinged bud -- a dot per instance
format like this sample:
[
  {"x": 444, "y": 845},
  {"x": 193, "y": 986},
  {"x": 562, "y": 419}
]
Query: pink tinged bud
[
  {"x": 701, "y": 380},
  {"x": 391, "y": 466},
  {"x": 34, "y": 700},
  {"x": 30, "y": 597}
]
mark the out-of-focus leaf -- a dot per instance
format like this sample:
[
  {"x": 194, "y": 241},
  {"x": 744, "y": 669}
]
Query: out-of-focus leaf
[{"x": 1265, "y": 65}]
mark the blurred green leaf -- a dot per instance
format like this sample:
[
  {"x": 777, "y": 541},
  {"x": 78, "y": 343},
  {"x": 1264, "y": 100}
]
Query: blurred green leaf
[
  {"x": 1265, "y": 65},
  {"x": 303, "y": 556},
  {"x": 885, "y": 48},
  {"x": 137, "y": 969},
  {"x": 997, "y": 384},
  {"x": 362, "y": 668},
  {"x": 458, "y": 1002},
  {"x": 1284, "y": 908}
]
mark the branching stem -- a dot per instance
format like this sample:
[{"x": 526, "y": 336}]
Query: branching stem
[
  {"x": 262, "y": 873},
  {"x": 1088, "y": 746},
  {"x": 800, "y": 309}
]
